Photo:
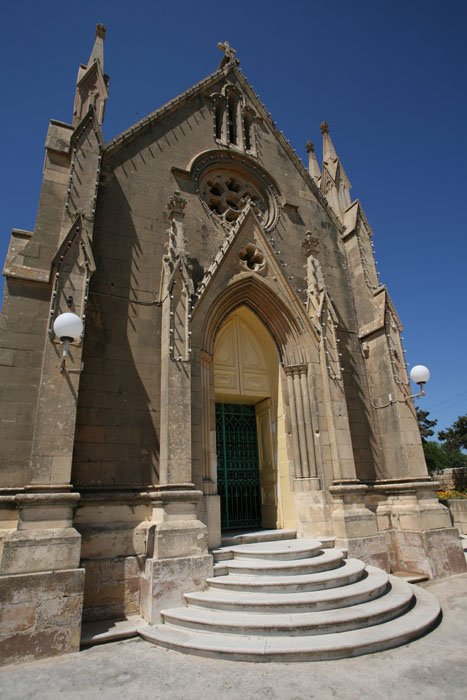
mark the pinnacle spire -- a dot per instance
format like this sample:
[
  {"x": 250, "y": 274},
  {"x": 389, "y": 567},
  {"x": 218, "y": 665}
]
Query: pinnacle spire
[
  {"x": 92, "y": 84},
  {"x": 97, "y": 53},
  {"x": 334, "y": 182},
  {"x": 313, "y": 167},
  {"x": 328, "y": 149}
]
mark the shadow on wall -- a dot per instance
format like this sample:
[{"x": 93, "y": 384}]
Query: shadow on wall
[
  {"x": 117, "y": 442},
  {"x": 366, "y": 450}
]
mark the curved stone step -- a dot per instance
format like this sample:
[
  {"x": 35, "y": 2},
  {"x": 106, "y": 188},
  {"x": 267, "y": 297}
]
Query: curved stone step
[
  {"x": 387, "y": 607},
  {"x": 284, "y": 550},
  {"x": 401, "y": 630},
  {"x": 326, "y": 560},
  {"x": 371, "y": 586},
  {"x": 257, "y": 536},
  {"x": 349, "y": 572}
]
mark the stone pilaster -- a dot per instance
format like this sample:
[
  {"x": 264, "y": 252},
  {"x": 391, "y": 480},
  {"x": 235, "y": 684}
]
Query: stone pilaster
[{"x": 177, "y": 541}]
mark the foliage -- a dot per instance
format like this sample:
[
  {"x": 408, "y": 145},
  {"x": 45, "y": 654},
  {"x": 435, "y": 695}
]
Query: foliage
[
  {"x": 446, "y": 454},
  {"x": 425, "y": 424},
  {"x": 451, "y": 494},
  {"x": 442, "y": 456},
  {"x": 455, "y": 436}
]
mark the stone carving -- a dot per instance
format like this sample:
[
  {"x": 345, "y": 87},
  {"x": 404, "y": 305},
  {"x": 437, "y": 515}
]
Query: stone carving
[
  {"x": 229, "y": 54},
  {"x": 252, "y": 258}
]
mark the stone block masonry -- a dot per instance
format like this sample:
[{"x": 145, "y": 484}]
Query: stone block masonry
[{"x": 40, "y": 614}]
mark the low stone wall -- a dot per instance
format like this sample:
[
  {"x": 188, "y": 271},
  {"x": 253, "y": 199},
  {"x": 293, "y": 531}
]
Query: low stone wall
[
  {"x": 40, "y": 614},
  {"x": 112, "y": 587},
  {"x": 458, "y": 511},
  {"x": 452, "y": 479}
]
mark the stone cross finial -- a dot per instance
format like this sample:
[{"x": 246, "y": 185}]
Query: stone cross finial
[
  {"x": 310, "y": 147},
  {"x": 229, "y": 53},
  {"x": 324, "y": 126}
]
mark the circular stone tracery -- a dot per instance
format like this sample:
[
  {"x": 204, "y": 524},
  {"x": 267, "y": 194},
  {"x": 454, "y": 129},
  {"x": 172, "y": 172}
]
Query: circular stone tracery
[
  {"x": 226, "y": 183},
  {"x": 227, "y": 194}
]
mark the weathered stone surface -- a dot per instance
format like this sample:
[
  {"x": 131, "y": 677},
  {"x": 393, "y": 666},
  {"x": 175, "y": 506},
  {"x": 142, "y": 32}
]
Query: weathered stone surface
[
  {"x": 166, "y": 580},
  {"x": 40, "y": 614},
  {"x": 458, "y": 511}
]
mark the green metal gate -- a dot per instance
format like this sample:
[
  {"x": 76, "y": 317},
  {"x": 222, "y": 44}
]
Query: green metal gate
[{"x": 237, "y": 466}]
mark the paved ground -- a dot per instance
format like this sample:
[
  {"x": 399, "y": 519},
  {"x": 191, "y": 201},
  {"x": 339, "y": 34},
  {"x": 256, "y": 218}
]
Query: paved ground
[{"x": 431, "y": 667}]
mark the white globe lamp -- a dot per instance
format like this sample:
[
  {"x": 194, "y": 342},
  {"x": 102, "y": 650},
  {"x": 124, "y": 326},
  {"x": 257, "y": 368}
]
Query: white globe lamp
[
  {"x": 420, "y": 374},
  {"x": 68, "y": 327}
]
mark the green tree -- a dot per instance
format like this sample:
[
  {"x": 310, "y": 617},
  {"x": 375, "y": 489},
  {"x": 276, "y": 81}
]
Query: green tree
[
  {"x": 425, "y": 424},
  {"x": 441, "y": 456},
  {"x": 455, "y": 437},
  {"x": 435, "y": 456}
]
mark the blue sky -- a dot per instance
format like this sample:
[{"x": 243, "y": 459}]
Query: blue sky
[{"x": 388, "y": 76}]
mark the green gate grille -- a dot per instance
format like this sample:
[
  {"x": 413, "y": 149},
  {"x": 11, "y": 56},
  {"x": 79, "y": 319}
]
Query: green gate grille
[{"x": 237, "y": 466}]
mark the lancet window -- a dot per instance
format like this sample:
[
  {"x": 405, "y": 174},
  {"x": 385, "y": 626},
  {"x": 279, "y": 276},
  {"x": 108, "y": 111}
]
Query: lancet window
[{"x": 234, "y": 123}]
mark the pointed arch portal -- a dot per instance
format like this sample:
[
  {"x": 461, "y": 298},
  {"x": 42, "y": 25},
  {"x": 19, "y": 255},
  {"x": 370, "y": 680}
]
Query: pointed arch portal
[{"x": 246, "y": 387}]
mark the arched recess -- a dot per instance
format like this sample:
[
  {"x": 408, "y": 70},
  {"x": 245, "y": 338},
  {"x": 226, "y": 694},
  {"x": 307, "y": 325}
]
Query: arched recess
[{"x": 297, "y": 457}]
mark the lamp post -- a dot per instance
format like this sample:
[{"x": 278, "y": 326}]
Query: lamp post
[{"x": 68, "y": 327}]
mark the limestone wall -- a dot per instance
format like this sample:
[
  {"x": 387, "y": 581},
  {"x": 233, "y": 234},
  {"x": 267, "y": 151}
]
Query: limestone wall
[{"x": 452, "y": 479}]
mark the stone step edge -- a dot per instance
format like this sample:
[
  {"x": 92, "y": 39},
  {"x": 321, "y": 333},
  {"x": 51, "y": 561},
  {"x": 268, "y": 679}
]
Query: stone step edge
[
  {"x": 411, "y": 576},
  {"x": 419, "y": 620},
  {"x": 350, "y": 571},
  {"x": 330, "y": 557},
  {"x": 103, "y": 631},
  {"x": 374, "y": 586},
  {"x": 389, "y": 606},
  {"x": 282, "y": 550},
  {"x": 259, "y": 536},
  {"x": 225, "y": 551}
]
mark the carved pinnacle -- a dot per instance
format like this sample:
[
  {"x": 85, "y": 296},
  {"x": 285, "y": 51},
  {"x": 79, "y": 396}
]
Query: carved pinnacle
[
  {"x": 310, "y": 147},
  {"x": 100, "y": 30},
  {"x": 176, "y": 204},
  {"x": 324, "y": 126},
  {"x": 310, "y": 244}
]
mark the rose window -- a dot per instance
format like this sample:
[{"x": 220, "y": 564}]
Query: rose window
[{"x": 227, "y": 194}]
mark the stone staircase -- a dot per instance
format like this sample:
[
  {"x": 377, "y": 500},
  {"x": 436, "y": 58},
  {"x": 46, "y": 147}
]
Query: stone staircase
[{"x": 294, "y": 600}]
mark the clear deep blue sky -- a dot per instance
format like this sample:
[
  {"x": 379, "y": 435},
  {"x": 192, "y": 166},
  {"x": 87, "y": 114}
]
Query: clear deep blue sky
[{"x": 388, "y": 76}]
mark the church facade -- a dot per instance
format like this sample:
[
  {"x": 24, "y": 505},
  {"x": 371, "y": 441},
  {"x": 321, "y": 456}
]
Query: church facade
[{"x": 240, "y": 367}]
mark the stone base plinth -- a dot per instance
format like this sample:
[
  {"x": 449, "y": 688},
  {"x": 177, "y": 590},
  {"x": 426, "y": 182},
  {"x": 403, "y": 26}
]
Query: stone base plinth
[
  {"x": 371, "y": 549},
  {"x": 312, "y": 514},
  {"x": 166, "y": 580},
  {"x": 40, "y": 614},
  {"x": 112, "y": 587}
]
